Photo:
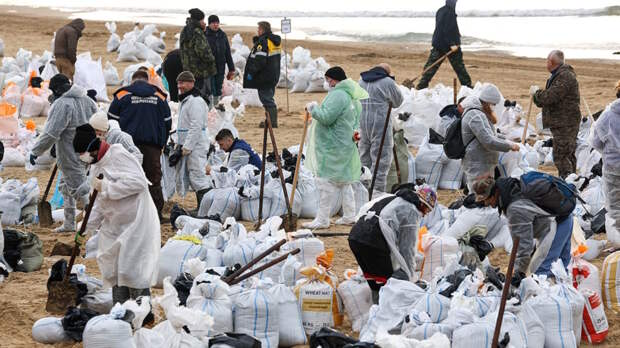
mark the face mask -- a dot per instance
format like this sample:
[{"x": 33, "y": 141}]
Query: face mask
[
  {"x": 326, "y": 86},
  {"x": 86, "y": 157}
]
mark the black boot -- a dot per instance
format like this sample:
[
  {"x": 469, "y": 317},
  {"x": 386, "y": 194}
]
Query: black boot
[
  {"x": 273, "y": 117},
  {"x": 199, "y": 195}
]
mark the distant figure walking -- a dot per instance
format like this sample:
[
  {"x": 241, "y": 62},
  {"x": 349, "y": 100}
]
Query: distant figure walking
[
  {"x": 446, "y": 38},
  {"x": 65, "y": 46}
]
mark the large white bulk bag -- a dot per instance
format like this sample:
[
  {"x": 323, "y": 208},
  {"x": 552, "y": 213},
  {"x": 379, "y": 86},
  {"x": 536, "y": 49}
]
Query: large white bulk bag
[
  {"x": 173, "y": 255},
  {"x": 429, "y": 163},
  {"x": 209, "y": 294},
  {"x": 291, "y": 328},
  {"x": 49, "y": 331},
  {"x": 356, "y": 296},
  {"x": 556, "y": 315},
  {"x": 564, "y": 289},
  {"x": 256, "y": 314}
]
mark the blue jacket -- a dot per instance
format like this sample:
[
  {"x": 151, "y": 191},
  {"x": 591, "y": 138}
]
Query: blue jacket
[
  {"x": 242, "y": 145},
  {"x": 142, "y": 111}
]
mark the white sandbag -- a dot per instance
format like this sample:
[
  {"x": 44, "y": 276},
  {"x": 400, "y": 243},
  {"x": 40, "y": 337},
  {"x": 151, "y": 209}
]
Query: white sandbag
[
  {"x": 111, "y": 75},
  {"x": 315, "y": 84},
  {"x": 534, "y": 327},
  {"x": 108, "y": 330},
  {"x": 289, "y": 274},
  {"x": 479, "y": 306},
  {"x": 556, "y": 315},
  {"x": 221, "y": 201},
  {"x": 239, "y": 248},
  {"x": 10, "y": 208},
  {"x": 478, "y": 334},
  {"x": 418, "y": 326},
  {"x": 49, "y": 330},
  {"x": 468, "y": 218},
  {"x": 356, "y": 297},
  {"x": 439, "y": 251},
  {"x": 147, "y": 338},
  {"x": 429, "y": 163},
  {"x": 396, "y": 298},
  {"x": 127, "y": 51},
  {"x": 451, "y": 175},
  {"x": 302, "y": 81},
  {"x": 584, "y": 274},
  {"x": 114, "y": 41},
  {"x": 595, "y": 247},
  {"x": 385, "y": 340},
  {"x": 435, "y": 305},
  {"x": 511, "y": 324},
  {"x": 310, "y": 249},
  {"x": 291, "y": 329},
  {"x": 256, "y": 314},
  {"x": 35, "y": 102},
  {"x": 13, "y": 158},
  {"x": 209, "y": 294},
  {"x": 173, "y": 256},
  {"x": 301, "y": 57},
  {"x": 509, "y": 162},
  {"x": 594, "y": 195},
  {"x": 89, "y": 75},
  {"x": 156, "y": 43},
  {"x": 99, "y": 301}
]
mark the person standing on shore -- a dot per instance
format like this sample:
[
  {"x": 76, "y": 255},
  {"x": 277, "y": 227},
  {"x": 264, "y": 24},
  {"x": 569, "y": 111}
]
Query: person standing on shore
[
  {"x": 606, "y": 139},
  {"x": 65, "y": 46},
  {"x": 560, "y": 111},
  {"x": 262, "y": 70},
  {"x": 142, "y": 111},
  {"x": 382, "y": 91},
  {"x": 171, "y": 68},
  {"x": 332, "y": 154},
  {"x": 221, "y": 50},
  {"x": 196, "y": 55},
  {"x": 446, "y": 38}
]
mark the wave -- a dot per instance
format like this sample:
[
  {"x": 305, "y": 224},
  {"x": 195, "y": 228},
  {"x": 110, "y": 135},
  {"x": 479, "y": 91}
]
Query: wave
[
  {"x": 605, "y": 11},
  {"x": 406, "y": 37}
]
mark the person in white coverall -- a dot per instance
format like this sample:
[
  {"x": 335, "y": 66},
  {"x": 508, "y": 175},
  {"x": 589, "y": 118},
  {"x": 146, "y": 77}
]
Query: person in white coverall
[
  {"x": 606, "y": 139},
  {"x": 129, "y": 236},
  {"x": 382, "y": 90},
  {"x": 111, "y": 132},
  {"x": 482, "y": 144},
  {"x": 71, "y": 107},
  {"x": 192, "y": 135},
  {"x": 331, "y": 153}
]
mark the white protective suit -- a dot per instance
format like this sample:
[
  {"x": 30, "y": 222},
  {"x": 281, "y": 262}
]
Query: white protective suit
[
  {"x": 116, "y": 136},
  {"x": 192, "y": 135},
  {"x": 129, "y": 230},
  {"x": 69, "y": 111},
  {"x": 372, "y": 120},
  {"x": 481, "y": 155},
  {"x": 606, "y": 140}
]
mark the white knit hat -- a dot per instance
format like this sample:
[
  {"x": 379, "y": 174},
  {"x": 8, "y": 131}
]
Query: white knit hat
[
  {"x": 489, "y": 93},
  {"x": 99, "y": 121}
]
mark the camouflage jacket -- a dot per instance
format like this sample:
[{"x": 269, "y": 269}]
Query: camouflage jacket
[
  {"x": 196, "y": 53},
  {"x": 560, "y": 100}
]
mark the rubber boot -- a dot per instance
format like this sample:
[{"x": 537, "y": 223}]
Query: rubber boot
[
  {"x": 348, "y": 206},
  {"x": 199, "y": 195},
  {"x": 273, "y": 116},
  {"x": 326, "y": 197}
]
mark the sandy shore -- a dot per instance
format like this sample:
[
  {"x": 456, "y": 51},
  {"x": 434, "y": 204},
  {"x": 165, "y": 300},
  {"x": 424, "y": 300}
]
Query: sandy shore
[{"x": 23, "y": 295}]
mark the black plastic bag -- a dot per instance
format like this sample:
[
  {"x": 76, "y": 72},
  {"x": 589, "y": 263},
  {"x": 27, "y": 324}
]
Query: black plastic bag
[
  {"x": 12, "y": 252},
  {"x": 235, "y": 340},
  {"x": 597, "y": 223},
  {"x": 57, "y": 274},
  {"x": 183, "y": 285},
  {"x": 75, "y": 321},
  {"x": 330, "y": 338},
  {"x": 482, "y": 246},
  {"x": 175, "y": 213},
  {"x": 495, "y": 277},
  {"x": 455, "y": 280}
]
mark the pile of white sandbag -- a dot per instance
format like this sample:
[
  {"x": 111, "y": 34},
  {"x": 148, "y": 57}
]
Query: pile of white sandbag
[
  {"x": 239, "y": 52},
  {"x": 18, "y": 201},
  {"x": 306, "y": 74},
  {"x": 89, "y": 75},
  {"x": 140, "y": 44}
]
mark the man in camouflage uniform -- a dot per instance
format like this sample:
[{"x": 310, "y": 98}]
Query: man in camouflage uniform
[
  {"x": 446, "y": 38},
  {"x": 196, "y": 54},
  {"x": 560, "y": 111}
]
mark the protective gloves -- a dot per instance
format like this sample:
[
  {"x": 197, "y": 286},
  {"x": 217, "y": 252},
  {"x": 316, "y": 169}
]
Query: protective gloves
[
  {"x": 185, "y": 152},
  {"x": 33, "y": 159},
  {"x": 97, "y": 184},
  {"x": 311, "y": 105},
  {"x": 533, "y": 90}
]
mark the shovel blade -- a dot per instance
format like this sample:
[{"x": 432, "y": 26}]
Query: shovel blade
[
  {"x": 289, "y": 222},
  {"x": 45, "y": 214},
  {"x": 61, "y": 295}
]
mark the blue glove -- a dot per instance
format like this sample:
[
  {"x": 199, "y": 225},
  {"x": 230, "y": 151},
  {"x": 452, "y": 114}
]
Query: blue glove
[{"x": 33, "y": 159}]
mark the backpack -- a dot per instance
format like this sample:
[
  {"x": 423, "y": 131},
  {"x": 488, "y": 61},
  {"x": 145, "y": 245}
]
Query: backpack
[
  {"x": 453, "y": 145},
  {"x": 549, "y": 192}
]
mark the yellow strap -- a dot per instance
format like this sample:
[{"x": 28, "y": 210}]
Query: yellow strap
[{"x": 192, "y": 239}]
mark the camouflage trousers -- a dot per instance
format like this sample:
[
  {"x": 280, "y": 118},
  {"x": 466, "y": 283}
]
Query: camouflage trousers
[
  {"x": 456, "y": 60},
  {"x": 564, "y": 146}
]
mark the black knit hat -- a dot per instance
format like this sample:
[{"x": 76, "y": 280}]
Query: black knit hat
[
  {"x": 213, "y": 19},
  {"x": 196, "y": 14},
  {"x": 59, "y": 84},
  {"x": 85, "y": 139},
  {"x": 186, "y": 76},
  {"x": 336, "y": 73}
]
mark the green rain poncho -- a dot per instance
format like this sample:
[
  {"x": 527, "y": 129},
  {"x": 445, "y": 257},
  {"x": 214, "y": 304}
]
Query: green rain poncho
[{"x": 331, "y": 153}]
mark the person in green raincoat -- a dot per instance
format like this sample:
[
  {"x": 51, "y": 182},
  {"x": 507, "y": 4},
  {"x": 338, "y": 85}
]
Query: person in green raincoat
[{"x": 332, "y": 154}]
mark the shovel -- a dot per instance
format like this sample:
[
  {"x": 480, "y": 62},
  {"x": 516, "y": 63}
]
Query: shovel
[
  {"x": 62, "y": 294},
  {"x": 44, "y": 208},
  {"x": 299, "y": 154}
]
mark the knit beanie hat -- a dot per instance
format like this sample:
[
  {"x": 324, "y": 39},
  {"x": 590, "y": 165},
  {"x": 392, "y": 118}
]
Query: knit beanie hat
[
  {"x": 336, "y": 73},
  {"x": 59, "y": 84},
  {"x": 490, "y": 94},
  {"x": 186, "y": 76},
  {"x": 213, "y": 19},
  {"x": 99, "y": 121},
  {"x": 85, "y": 139},
  {"x": 196, "y": 14}
]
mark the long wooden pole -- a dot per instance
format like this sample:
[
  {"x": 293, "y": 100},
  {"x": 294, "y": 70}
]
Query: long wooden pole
[
  {"x": 527, "y": 120},
  {"x": 298, "y": 164},
  {"x": 502, "y": 304},
  {"x": 438, "y": 61}
]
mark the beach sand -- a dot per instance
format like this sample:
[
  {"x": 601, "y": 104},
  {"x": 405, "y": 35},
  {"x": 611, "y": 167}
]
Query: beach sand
[{"x": 24, "y": 294}]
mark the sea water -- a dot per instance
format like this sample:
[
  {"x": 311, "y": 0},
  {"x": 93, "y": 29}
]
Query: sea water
[{"x": 528, "y": 28}]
